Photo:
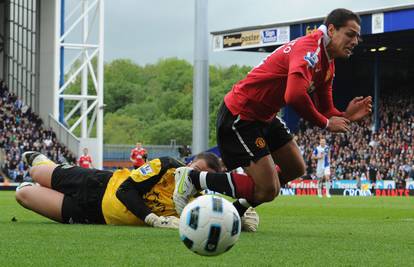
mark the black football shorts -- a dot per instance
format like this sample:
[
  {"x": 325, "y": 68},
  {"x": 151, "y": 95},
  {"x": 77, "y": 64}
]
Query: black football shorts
[
  {"x": 241, "y": 142},
  {"x": 83, "y": 190}
]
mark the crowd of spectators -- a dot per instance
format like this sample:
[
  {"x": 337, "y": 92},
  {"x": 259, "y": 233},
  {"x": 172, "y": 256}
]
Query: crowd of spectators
[
  {"x": 366, "y": 154},
  {"x": 22, "y": 130}
]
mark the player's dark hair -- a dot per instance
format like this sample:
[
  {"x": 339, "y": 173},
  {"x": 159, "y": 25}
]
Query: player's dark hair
[
  {"x": 211, "y": 159},
  {"x": 340, "y": 16}
]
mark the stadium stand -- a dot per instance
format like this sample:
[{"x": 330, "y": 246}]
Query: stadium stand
[
  {"x": 365, "y": 154},
  {"x": 22, "y": 130}
]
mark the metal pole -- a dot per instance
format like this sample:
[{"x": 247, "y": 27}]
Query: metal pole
[
  {"x": 376, "y": 93},
  {"x": 62, "y": 62},
  {"x": 200, "y": 79},
  {"x": 84, "y": 84},
  {"x": 100, "y": 89}
]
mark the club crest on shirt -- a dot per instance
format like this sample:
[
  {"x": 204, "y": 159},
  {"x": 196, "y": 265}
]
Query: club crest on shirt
[
  {"x": 312, "y": 59},
  {"x": 260, "y": 142}
]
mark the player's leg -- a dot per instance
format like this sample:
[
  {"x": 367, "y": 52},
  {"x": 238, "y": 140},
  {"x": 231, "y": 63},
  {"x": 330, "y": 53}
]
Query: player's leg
[
  {"x": 265, "y": 179},
  {"x": 290, "y": 162},
  {"x": 327, "y": 175},
  {"x": 320, "y": 179},
  {"x": 41, "y": 168},
  {"x": 42, "y": 174},
  {"x": 260, "y": 185},
  {"x": 241, "y": 143},
  {"x": 44, "y": 201},
  {"x": 41, "y": 199},
  {"x": 285, "y": 151}
]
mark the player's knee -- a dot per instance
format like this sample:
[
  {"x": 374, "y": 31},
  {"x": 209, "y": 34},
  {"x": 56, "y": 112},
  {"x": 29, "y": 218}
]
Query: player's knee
[
  {"x": 22, "y": 196},
  {"x": 267, "y": 194}
]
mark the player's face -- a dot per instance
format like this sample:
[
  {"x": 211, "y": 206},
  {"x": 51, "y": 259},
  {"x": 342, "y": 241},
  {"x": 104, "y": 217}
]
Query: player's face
[
  {"x": 200, "y": 165},
  {"x": 344, "y": 39},
  {"x": 322, "y": 142}
]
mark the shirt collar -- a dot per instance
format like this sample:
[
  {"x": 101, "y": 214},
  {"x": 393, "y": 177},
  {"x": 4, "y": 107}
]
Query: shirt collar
[{"x": 326, "y": 39}]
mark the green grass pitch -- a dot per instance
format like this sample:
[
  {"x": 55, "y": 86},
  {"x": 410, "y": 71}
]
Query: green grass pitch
[{"x": 294, "y": 231}]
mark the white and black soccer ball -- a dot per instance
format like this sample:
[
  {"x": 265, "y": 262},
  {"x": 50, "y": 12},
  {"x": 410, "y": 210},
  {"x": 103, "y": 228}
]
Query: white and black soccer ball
[{"x": 209, "y": 225}]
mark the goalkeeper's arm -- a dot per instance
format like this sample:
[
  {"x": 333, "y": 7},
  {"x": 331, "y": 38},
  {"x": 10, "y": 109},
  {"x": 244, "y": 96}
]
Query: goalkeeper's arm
[{"x": 131, "y": 197}]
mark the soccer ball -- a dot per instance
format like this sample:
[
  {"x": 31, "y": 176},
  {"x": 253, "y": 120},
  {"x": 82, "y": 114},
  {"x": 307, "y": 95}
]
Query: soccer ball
[{"x": 209, "y": 225}]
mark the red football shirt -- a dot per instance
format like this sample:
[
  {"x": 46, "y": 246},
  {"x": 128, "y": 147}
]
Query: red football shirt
[
  {"x": 287, "y": 77},
  {"x": 85, "y": 161},
  {"x": 137, "y": 156}
]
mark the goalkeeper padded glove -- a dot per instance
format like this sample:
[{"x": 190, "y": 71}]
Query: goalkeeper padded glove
[
  {"x": 162, "y": 221},
  {"x": 250, "y": 220}
]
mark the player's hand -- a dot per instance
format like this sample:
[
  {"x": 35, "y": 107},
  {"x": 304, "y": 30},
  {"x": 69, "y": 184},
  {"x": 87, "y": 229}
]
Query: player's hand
[
  {"x": 358, "y": 108},
  {"x": 338, "y": 124},
  {"x": 162, "y": 221}
]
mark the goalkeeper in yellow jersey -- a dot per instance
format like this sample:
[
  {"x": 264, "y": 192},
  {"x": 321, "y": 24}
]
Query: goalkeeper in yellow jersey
[{"x": 70, "y": 194}]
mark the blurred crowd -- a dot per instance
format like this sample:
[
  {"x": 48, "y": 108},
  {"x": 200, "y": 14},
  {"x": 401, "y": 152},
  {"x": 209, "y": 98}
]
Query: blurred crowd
[
  {"x": 22, "y": 130},
  {"x": 366, "y": 154}
]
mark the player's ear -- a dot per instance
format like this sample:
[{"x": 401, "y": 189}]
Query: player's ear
[{"x": 331, "y": 30}]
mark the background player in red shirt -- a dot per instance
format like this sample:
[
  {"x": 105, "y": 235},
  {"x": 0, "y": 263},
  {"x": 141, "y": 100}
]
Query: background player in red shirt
[
  {"x": 85, "y": 161},
  {"x": 138, "y": 156},
  {"x": 250, "y": 135}
]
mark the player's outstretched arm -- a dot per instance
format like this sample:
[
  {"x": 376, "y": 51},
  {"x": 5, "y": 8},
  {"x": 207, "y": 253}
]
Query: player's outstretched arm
[
  {"x": 130, "y": 194},
  {"x": 131, "y": 197}
]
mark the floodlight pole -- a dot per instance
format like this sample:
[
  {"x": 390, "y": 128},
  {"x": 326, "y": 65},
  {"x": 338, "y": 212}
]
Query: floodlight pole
[
  {"x": 87, "y": 44},
  {"x": 200, "y": 79}
]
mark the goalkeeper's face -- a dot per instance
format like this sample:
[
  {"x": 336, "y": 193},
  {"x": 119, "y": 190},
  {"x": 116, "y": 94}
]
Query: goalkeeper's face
[{"x": 200, "y": 165}]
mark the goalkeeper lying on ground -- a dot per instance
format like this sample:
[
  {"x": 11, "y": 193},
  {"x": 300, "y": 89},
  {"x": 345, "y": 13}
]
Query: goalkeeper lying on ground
[{"x": 71, "y": 194}]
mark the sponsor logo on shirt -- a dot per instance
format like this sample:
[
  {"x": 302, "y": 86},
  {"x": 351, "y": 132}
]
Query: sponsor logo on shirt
[
  {"x": 312, "y": 59},
  {"x": 145, "y": 169}
]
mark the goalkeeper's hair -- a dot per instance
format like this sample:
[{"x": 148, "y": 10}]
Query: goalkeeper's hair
[{"x": 211, "y": 159}]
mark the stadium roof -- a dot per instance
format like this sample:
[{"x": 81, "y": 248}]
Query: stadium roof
[{"x": 390, "y": 27}]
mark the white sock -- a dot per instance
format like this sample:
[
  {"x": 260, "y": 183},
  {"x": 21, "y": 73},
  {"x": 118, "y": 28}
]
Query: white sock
[
  {"x": 203, "y": 181},
  {"x": 327, "y": 187},
  {"x": 244, "y": 203}
]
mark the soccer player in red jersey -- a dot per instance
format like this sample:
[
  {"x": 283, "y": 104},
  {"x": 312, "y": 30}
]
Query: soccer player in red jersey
[
  {"x": 85, "y": 161},
  {"x": 249, "y": 133},
  {"x": 138, "y": 156}
]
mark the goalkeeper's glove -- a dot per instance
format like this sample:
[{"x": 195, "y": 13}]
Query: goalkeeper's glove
[
  {"x": 162, "y": 221},
  {"x": 250, "y": 220}
]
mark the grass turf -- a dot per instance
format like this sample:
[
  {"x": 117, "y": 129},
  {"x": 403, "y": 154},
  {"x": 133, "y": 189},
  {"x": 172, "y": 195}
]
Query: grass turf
[{"x": 305, "y": 231}]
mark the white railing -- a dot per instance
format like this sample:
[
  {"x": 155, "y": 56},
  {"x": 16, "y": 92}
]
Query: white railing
[{"x": 64, "y": 136}]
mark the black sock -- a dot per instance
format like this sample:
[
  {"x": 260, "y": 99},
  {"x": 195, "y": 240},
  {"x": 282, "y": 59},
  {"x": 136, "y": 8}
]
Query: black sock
[
  {"x": 195, "y": 179},
  {"x": 240, "y": 208},
  {"x": 217, "y": 182}
]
